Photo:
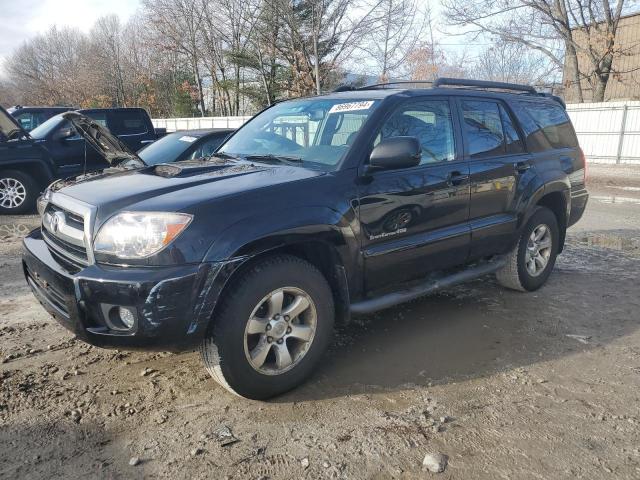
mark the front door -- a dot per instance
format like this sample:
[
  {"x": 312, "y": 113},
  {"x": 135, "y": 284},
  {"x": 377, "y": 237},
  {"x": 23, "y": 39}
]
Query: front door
[{"x": 414, "y": 221}]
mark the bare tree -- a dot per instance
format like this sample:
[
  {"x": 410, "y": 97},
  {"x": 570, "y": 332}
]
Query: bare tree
[
  {"x": 513, "y": 62},
  {"x": 398, "y": 30},
  {"x": 555, "y": 28},
  {"x": 179, "y": 26}
]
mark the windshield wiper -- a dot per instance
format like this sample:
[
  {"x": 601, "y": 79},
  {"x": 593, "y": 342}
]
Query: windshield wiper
[
  {"x": 224, "y": 155},
  {"x": 275, "y": 158}
]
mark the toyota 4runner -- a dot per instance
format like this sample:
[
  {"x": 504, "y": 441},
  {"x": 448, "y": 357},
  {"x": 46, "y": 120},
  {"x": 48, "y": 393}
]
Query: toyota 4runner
[{"x": 316, "y": 209}]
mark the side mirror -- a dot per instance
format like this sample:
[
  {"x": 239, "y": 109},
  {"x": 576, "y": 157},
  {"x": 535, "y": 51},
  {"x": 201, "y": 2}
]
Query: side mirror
[
  {"x": 395, "y": 153},
  {"x": 63, "y": 134}
]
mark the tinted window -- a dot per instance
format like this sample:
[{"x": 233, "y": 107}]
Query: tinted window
[
  {"x": 430, "y": 122},
  {"x": 127, "y": 122},
  {"x": 483, "y": 128},
  {"x": 552, "y": 121},
  {"x": 513, "y": 141},
  {"x": 208, "y": 147},
  {"x": 31, "y": 120}
]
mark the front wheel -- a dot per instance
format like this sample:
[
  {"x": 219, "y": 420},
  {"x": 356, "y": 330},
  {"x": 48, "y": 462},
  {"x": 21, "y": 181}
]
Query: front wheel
[
  {"x": 273, "y": 325},
  {"x": 530, "y": 263},
  {"x": 18, "y": 193}
]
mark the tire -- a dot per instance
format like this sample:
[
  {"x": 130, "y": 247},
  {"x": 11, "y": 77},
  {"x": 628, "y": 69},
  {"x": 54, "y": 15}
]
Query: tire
[
  {"x": 18, "y": 193},
  {"x": 517, "y": 273},
  {"x": 233, "y": 342}
]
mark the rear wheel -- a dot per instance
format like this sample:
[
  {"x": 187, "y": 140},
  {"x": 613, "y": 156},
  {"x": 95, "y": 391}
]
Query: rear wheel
[
  {"x": 18, "y": 193},
  {"x": 530, "y": 263},
  {"x": 271, "y": 329}
]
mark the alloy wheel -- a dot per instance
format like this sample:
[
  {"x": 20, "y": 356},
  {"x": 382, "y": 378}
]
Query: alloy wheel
[
  {"x": 280, "y": 330},
  {"x": 538, "y": 250},
  {"x": 12, "y": 193}
]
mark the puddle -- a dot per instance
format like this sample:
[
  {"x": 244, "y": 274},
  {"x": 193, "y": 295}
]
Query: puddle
[
  {"x": 10, "y": 232},
  {"x": 611, "y": 242},
  {"x": 615, "y": 199}
]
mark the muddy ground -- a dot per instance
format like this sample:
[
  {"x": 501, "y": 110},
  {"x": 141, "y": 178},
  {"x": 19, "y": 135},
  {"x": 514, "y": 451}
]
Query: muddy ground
[{"x": 507, "y": 385}]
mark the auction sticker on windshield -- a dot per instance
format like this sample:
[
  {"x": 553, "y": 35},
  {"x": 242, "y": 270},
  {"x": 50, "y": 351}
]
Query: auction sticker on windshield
[
  {"x": 351, "y": 106},
  {"x": 187, "y": 138}
]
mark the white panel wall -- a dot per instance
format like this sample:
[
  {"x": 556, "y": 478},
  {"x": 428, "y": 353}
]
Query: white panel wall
[
  {"x": 173, "y": 124},
  {"x": 608, "y": 132}
]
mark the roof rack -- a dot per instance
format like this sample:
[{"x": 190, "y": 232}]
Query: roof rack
[
  {"x": 460, "y": 82},
  {"x": 399, "y": 82}
]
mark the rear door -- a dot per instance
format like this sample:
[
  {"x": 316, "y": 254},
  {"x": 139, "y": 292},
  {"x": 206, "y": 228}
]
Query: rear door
[
  {"x": 499, "y": 166},
  {"x": 414, "y": 220}
]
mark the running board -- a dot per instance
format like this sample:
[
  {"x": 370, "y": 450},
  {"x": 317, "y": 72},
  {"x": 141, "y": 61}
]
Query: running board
[{"x": 394, "y": 298}]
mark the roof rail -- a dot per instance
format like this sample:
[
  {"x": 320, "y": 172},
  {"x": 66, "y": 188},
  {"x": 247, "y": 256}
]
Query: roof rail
[
  {"x": 461, "y": 82},
  {"x": 399, "y": 82}
]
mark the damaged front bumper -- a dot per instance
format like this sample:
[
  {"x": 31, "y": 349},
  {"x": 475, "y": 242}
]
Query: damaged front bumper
[{"x": 171, "y": 306}]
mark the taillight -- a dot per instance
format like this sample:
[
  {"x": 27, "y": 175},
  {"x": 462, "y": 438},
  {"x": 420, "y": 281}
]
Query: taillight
[{"x": 584, "y": 162}]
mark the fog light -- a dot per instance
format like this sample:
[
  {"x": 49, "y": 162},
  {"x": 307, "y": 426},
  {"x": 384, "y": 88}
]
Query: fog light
[{"x": 127, "y": 317}]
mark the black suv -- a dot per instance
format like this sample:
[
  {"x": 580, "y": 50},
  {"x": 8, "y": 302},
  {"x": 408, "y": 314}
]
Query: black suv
[
  {"x": 32, "y": 117},
  {"x": 29, "y": 161},
  {"x": 316, "y": 209}
]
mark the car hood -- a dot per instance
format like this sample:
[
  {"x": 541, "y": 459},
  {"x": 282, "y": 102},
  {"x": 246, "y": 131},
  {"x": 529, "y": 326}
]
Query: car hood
[
  {"x": 9, "y": 126},
  {"x": 108, "y": 145},
  {"x": 177, "y": 186}
]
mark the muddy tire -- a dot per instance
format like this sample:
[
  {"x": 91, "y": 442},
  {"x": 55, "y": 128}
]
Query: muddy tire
[
  {"x": 272, "y": 327},
  {"x": 18, "y": 193},
  {"x": 530, "y": 263}
]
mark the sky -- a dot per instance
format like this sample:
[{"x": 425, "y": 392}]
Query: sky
[{"x": 21, "y": 19}]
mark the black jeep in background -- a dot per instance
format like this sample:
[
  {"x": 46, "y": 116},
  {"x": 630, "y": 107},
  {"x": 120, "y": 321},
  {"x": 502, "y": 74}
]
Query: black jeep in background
[
  {"x": 316, "y": 209},
  {"x": 29, "y": 161},
  {"x": 32, "y": 117}
]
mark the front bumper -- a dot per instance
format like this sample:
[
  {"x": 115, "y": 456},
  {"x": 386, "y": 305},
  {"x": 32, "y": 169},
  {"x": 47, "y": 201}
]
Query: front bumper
[{"x": 172, "y": 305}]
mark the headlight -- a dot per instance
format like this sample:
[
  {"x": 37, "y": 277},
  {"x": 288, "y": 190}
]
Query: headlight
[
  {"x": 42, "y": 201},
  {"x": 139, "y": 234}
]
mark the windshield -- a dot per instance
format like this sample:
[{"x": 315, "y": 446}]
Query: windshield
[
  {"x": 167, "y": 149},
  {"x": 315, "y": 132},
  {"x": 47, "y": 127}
]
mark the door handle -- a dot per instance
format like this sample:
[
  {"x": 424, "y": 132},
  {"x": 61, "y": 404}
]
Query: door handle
[
  {"x": 456, "y": 178},
  {"x": 522, "y": 167}
]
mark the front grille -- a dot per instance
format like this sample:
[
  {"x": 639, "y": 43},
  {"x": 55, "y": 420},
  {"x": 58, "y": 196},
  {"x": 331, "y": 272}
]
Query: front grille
[
  {"x": 48, "y": 293},
  {"x": 66, "y": 238}
]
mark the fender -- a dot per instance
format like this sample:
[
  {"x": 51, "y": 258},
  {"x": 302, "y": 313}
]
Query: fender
[
  {"x": 30, "y": 158},
  {"x": 256, "y": 234},
  {"x": 548, "y": 181}
]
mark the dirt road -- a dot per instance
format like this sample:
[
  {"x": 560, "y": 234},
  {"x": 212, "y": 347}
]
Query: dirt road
[{"x": 507, "y": 385}]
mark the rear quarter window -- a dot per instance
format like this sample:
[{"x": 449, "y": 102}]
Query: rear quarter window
[
  {"x": 130, "y": 122},
  {"x": 546, "y": 125}
]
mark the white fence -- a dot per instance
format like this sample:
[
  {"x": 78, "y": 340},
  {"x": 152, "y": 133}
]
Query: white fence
[
  {"x": 173, "y": 124},
  {"x": 608, "y": 132}
]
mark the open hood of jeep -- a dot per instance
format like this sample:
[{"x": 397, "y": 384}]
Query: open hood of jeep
[
  {"x": 9, "y": 127},
  {"x": 107, "y": 144}
]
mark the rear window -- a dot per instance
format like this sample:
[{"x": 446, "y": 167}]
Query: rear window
[
  {"x": 128, "y": 122},
  {"x": 547, "y": 125}
]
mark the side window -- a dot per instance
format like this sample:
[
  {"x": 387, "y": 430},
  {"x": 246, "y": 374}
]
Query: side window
[
  {"x": 430, "y": 122},
  {"x": 26, "y": 121},
  {"x": 483, "y": 128},
  {"x": 552, "y": 120},
  {"x": 98, "y": 117},
  {"x": 127, "y": 122},
  {"x": 512, "y": 139}
]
